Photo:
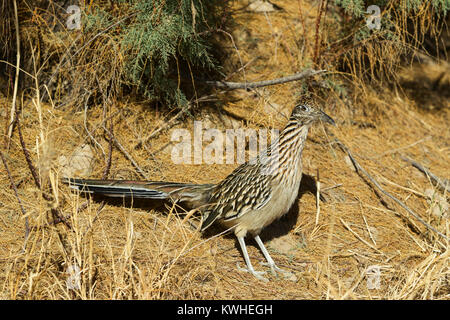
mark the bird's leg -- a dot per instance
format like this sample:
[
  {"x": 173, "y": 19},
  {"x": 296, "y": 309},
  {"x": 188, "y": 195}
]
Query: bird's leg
[
  {"x": 249, "y": 268},
  {"x": 273, "y": 267}
]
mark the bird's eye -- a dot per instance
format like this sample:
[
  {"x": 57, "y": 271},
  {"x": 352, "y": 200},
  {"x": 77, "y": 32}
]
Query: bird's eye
[{"x": 304, "y": 108}]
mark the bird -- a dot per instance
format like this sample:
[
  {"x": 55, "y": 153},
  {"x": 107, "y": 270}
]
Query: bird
[{"x": 250, "y": 198}]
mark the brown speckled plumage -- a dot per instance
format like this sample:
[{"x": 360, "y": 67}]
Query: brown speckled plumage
[{"x": 251, "y": 197}]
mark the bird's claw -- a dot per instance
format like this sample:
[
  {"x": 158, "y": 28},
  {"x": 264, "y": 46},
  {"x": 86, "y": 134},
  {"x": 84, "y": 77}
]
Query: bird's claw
[
  {"x": 274, "y": 269},
  {"x": 257, "y": 274}
]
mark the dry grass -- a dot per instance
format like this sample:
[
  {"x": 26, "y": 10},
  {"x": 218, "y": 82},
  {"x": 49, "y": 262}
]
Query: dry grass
[{"x": 131, "y": 252}]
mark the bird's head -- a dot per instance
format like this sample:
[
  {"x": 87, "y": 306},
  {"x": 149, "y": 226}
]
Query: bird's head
[{"x": 307, "y": 114}]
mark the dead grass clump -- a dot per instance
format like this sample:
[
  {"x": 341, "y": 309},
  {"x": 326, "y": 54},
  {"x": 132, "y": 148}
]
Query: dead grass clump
[{"x": 406, "y": 30}]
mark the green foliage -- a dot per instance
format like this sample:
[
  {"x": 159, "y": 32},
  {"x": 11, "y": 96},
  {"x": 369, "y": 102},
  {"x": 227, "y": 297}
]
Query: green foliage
[
  {"x": 373, "y": 49},
  {"x": 357, "y": 8},
  {"x": 438, "y": 5},
  {"x": 406, "y": 8},
  {"x": 163, "y": 43},
  {"x": 166, "y": 37},
  {"x": 97, "y": 19},
  {"x": 442, "y": 5}
]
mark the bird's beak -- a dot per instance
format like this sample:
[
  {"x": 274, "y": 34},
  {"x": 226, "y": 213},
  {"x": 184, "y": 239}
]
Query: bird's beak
[{"x": 326, "y": 118}]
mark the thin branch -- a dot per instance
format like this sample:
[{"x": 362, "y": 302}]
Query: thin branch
[
  {"x": 400, "y": 149},
  {"x": 57, "y": 215},
  {"x": 359, "y": 237},
  {"x": 443, "y": 184},
  {"x": 332, "y": 187},
  {"x": 109, "y": 161},
  {"x": 26, "y": 153},
  {"x": 404, "y": 206},
  {"x": 317, "y": 197},
  {"x": 237, "y": 51},
  {"x": 125, "y": 152},
  {"x": 13, "y": 185},
  {"x": 248, "y": 85},
  {"x": 106, "y": 108},
  {"x": 367, "y": 225},
  {"x": 87, "y": 130},
  {"x": 317, "y": 36},
  {"x": 89, "y": 227},
  {"x": 241, "y": 68},
  {"x": 16, "y": 81}
]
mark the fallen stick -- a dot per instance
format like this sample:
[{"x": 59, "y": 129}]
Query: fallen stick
[
  {"x": 248, "y": 85},
  {"x": 16, "y": 193},
  {"x": 16, "y": 80},
  {"x": 57, "y": 215},
  {"x": 317, "y": 198},
  {"x": 404, "y": 206},
  {"x": 125, "y": 152},
  {"x": 443, "y": 184},
  {"x": 359, "y": 237}
]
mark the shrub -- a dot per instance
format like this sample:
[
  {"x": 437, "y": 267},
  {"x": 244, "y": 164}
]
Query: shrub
[
  {"x": 374, "y": 54},
  {"x": 165, "y": 41},
  {"x": 149, "y": 46}
]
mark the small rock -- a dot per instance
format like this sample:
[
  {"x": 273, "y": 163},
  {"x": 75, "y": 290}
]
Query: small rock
[
  {"x": 79, "y": 164},
  {"x": 438, "y": 204},
  {"x": 73, "y": 281},
  {"x": 262, "y": 6},
  {"x": 290, "y": 277}
]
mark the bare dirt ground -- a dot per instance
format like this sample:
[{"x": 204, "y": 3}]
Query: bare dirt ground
[{"x": 137, "y": 252}]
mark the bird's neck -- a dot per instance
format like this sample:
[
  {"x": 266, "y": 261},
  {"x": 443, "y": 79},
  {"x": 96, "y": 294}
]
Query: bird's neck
[
  {"x": 285, "y": 152},
  {"x": 292, "y": 140}
]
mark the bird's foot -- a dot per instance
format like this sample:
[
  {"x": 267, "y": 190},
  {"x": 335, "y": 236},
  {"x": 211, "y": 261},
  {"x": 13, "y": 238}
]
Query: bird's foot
[
  {"x": 274, "y": 269},
  {"x": 257, "y": 274}
]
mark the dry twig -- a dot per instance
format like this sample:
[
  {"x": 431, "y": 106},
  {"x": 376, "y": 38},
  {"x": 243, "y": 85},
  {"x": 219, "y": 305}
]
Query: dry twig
[
  {"x": 359, "y": 237},
  {"x": 125, "y": 152},
  {"x": 443, "y": 184},
  {"x": 16, "y": 193},
  {"x": 16, "y": 81},
  {"x": 317, "y": 198},
  {"x": 248, "y": 85},
  {"x": 57, "y": 215},
  {"x": 359, "y": 168},
  {"x": 320, "y": 10}
]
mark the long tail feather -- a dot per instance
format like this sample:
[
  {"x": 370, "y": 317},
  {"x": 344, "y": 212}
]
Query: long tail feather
[{"x": 194, "y": 193}]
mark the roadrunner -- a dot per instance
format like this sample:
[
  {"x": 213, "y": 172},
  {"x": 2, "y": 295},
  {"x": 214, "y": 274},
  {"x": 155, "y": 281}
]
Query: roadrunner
[{"x": 254, "y": 195}]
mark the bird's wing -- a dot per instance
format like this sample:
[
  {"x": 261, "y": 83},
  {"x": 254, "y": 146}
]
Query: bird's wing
[{"x": 244, "y": 190}]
